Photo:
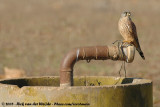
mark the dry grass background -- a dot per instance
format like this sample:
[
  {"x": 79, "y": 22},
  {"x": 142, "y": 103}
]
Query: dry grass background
[{"x": 36, "y": 34}]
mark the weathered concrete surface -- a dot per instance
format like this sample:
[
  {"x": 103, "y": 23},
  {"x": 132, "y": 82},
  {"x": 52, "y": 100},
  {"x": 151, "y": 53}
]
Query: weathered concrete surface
[{"x": 94, "y": 91}]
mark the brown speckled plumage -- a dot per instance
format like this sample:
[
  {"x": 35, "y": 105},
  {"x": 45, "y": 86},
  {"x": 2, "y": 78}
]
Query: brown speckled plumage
[{"x": 128, "y": 30}]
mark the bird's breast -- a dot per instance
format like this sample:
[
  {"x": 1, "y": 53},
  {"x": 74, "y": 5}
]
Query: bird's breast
[{"x": 124, "y": 30}]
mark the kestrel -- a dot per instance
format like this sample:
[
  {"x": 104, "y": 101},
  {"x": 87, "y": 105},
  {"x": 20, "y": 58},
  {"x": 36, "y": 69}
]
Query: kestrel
[{"x": 128, "y": 30}]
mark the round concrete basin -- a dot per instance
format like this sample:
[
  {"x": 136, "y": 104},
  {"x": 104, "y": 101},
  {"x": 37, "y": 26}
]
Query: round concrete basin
[{"x": 87, "y": 91}]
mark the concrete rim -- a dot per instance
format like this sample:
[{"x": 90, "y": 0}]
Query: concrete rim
[{"x": 140, "y": 81}]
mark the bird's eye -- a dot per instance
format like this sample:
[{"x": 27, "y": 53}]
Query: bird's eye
[{"x": 126, "y": 14}]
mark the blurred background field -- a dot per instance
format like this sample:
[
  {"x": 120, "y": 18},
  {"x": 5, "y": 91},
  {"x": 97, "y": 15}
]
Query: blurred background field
[{"x": 36, "y": 34}]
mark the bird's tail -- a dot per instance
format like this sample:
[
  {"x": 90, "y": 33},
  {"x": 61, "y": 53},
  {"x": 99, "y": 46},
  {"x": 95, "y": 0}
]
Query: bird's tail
[{"x": 141, "y": 53}]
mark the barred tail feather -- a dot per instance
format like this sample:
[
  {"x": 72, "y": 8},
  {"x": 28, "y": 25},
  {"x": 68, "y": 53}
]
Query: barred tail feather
[{"x": 141, "y": 53}]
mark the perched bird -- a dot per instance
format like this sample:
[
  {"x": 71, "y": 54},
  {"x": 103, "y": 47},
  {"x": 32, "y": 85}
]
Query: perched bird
[{"x": 128, "y": 30}]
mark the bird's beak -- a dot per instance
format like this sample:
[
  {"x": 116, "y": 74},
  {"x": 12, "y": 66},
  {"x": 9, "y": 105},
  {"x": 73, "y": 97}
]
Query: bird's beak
[{"x": 129, "y": 14}]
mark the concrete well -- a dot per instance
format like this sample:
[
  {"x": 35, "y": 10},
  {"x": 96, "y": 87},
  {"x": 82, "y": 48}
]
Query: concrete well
[{"x": 87, "y": 91}]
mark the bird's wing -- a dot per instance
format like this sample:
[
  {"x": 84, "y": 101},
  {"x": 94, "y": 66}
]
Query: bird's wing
[
  {"x": 136, "y": 42},
  {"x": 132, "y": 30}
]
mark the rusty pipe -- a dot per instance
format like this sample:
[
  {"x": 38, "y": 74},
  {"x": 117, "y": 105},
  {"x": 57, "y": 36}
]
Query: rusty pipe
[{"x": 89, "y": 53}]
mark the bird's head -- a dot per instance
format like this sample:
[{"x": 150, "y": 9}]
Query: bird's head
[{"x": 126, "y": 14}]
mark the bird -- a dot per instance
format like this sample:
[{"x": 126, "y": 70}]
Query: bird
[{"x": 128, "y": 31}]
